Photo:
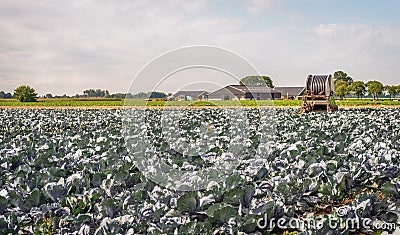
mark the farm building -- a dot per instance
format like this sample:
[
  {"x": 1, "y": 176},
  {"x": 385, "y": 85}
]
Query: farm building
[
  {"x": 290, "y": 92},
  {"x": 239, "y": 92},
  {"x": 191, "y": 95}
]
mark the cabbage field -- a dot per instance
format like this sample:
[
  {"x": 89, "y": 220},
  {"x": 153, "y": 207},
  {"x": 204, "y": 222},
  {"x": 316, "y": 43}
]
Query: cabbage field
[{"x": 71, "y": 171}]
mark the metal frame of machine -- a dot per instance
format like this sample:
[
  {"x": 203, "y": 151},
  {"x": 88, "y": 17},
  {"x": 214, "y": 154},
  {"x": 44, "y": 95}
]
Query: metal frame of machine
[{"x": 318, "y": 95}]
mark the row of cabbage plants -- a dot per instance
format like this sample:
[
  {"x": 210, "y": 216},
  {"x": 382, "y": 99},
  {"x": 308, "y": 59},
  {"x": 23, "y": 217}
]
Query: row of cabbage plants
[{"x": 69, "y": 172}]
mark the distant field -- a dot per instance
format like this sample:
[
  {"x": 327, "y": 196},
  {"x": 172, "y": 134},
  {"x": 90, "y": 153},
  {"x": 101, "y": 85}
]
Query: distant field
[
  {"x": 358, "y": 102},
  {"x": 105, "y": 102},
  {"x": 64, "y": 102},
  {"x": 141, "y": 102}
]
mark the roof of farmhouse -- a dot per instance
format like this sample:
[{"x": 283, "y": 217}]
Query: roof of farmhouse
[
  {"x": 239, "y": 89},
  {"x": 190, "y": 93},
  {"x": 291, "y": 90}
]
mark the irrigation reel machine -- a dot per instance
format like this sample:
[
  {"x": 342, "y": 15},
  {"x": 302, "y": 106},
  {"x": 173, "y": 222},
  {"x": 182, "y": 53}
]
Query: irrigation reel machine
[{"x": 318, "y": 94}]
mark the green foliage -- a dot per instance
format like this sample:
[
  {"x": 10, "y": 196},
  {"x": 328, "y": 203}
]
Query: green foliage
[
  {"x": 367, "y": 102},
  {"x": 375, "y": 88},
  {"x": 257, "y": 81},
  {"x": 157, "y": 95},
  {"x": 3, "y": 204},
  {"x": 358, "y": 88},
  {"x": 340, "y": 75},
  {"x": 393, "y": 91},
  {"x": 223, "y": 215},
  {"x": 140, "y": 95},
  {"x": 5, "y": 95},
  {"x": 45, "y": 226},
  {"x": 96, "y": 93},
  {"x": 284, "y": 102},
  {"x": 25, "y": 94},
  {"x": 188, "y": 203},
  {"x": 35, "y": 198},
  {"x": 289, "y": 233},
  {"x": 202, "y": 103},
  {"x": 341, "y": 88},
  {"x": 390, "y": 189},
  {"x": 76, "y": 171},
  {"x": 234, "y": 196}
]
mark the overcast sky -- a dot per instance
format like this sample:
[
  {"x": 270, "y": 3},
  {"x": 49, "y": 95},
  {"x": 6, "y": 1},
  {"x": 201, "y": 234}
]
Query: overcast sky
[{"x": 67, "y": 46}]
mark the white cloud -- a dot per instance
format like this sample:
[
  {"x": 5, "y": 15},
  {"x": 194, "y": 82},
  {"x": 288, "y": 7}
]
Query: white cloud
[
  {"x": 326, "y": 30},
  {"x": 345, "y": 32}
]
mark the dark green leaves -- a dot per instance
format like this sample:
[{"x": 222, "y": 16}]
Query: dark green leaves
[
  {"x": 72, "y": 166},
  {"x": 35, "y": 198},
  {"x": 224, "y": 215},
  {"x": 390, "y": 189},
  {"x": 234, "y": 196},
  {"x": 188, "y": 203},
  {"x": 3, "y": 204}
]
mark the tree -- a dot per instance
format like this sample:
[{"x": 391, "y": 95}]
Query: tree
[
  {"x": 398, "y": 89},
  {"x": 118, "y": 95},
  {"x": 88, "y": 93},
  {"x": 5, "y": 95},
  {"x": 358, "y": 88},
  {"x": 157, "y": 95},
  {"x": 392, "y": 91},
  {"x": 25, "y": 94},
  {"x": 257, "y": 81},
  {"x": 375, "y": 88},
  {"x": 48, "y": 95},
  {"x": 99, "y": 93},
  {"x": 96, "y": 93},
  {"x": 340, "y": 75},
  {"x": 141, "y": 95},
  {"x": 341, "y": 88}
]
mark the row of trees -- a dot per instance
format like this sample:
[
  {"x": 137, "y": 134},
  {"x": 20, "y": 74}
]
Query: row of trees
[
  {"x": 28, "y": 94},
  {"x": 92, "y": 93},
  {"x": 344, "y": 85},
  {"x": 4, "y": 95},
  {"x": 96, "y": 93}
]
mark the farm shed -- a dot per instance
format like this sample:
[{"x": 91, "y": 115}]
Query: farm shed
[
  {"x": 239, "y": 92},
  {"x": 191, "y": 95},
  {"x": 289, "y": 92}
]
